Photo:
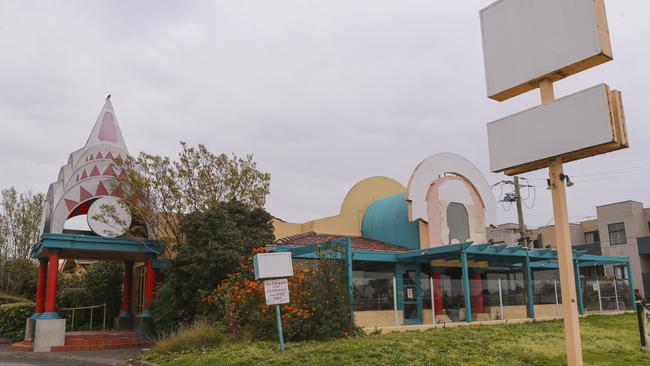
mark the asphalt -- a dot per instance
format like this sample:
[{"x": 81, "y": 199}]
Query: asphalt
[{"x": 9, "y": 357}]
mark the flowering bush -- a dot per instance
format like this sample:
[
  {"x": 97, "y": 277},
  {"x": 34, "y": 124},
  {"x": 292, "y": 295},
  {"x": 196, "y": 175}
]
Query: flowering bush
[{"x": 319, "y": 306}]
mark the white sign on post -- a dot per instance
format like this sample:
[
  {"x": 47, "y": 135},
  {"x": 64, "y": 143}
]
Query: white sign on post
[
  {"x": 528, "y": 40},
  {"x": 272, "y": 265},
  {"x": 592, "y": 121},
  {"x": 276, "y": 291}
]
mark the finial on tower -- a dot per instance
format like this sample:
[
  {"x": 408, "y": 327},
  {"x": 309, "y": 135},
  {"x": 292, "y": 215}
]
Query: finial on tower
[{"x": 108, "y": 97}]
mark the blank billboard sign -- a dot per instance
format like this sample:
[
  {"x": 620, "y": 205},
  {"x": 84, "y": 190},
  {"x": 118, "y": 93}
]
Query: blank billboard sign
[
  {"x": 525, "y": 41},
  {"x": 580, "y": 125}
]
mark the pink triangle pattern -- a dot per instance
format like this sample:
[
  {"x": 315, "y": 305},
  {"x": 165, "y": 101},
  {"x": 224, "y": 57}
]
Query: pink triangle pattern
[
  {"x": 109, "y": 155},
  {"x": 84, "y": 175},
  {"x": 107, "y": 130},
  {"x": 99, "y": 156},
  {"x": 109, "y": 171},
  {"x": 117, "y": 192},
  {"x": 70, "y": 204},
  {"x": 84, "y": 194},
  {"x": 101, "y": 190},
  {"x": 94, "y": 172}
]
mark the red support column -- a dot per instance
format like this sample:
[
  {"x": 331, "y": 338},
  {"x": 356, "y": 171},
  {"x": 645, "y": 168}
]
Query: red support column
[
  {"x": 40, "y": 287},
  {"x": 52, "y": 279},
  {"x": 477, "y": 293},
  {"x": 437, "y": 292},
  {"x": 148, "y": 287},
  {"x": 125, "y": 311}
]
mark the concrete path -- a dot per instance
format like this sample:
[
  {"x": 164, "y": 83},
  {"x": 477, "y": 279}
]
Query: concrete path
[{"x": 106, "y": 357}]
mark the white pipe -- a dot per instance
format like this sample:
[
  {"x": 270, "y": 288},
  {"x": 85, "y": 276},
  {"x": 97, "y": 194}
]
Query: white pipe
[
  {"x": 600, "y": 301},
  {"x": 616, "y": 295},
  {"x": 433, "y": 305},
  {"x": 500, "y": 301},
  {"x": 395, "y": 300},
  {"x": 557, "y": 302}
]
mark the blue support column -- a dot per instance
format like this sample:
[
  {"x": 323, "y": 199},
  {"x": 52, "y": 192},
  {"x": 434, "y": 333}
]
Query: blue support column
[
  {"x": 468, "y": 300},
  {"x": 581, "y": 306},
  {"x": 630, "y": 281},
  {"x": 348, "y": 266},
  {"x": 528, "y": 278}
]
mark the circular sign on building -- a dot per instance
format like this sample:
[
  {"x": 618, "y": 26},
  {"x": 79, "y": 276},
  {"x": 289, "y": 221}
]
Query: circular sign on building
[{"x": 109, "y": 217}]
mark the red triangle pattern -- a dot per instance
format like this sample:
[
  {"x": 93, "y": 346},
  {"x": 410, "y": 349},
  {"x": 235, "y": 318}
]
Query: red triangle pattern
[
  {"x": 84, "y": 175},
  {"x": 101, "y": 190},
  {"x": 118, "y": 192},
  {"x": 84, "y": 194},
  {"x": 70, "y": 204},
  {"x": 109, "y": 155},
  {"x": 123, "y": 174},
  {"x": 94, "y": 172},
  {"x": 99, "y": 156},
  {"x": 91, "y": 157},
  {"x": 109, "y": 171}
]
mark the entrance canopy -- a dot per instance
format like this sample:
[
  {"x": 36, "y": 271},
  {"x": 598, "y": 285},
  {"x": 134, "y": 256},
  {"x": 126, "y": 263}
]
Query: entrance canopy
[{"x": 95, "y": 247}]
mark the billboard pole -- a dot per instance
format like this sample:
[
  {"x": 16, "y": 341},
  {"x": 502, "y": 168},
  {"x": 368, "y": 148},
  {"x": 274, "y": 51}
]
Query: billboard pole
[{"x": 564, "y": 250}]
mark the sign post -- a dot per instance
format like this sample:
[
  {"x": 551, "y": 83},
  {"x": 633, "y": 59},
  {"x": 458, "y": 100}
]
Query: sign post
[
  {"x": 274, "y": 268},
  {"x": 278, "y": 315},
  {"x": 530, "y": 44}
]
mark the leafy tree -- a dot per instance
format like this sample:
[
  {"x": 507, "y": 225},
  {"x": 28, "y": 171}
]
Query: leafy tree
[
  {"x": 217, "y": 239},
  {"x": 103, "y": 281},
  {"x": 19, "y": 228},
  {"x": 160, "y": 190},
  {"x": 19, "y": 219}
]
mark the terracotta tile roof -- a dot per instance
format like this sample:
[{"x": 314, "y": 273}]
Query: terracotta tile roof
[{"x": 358, "y": 242}]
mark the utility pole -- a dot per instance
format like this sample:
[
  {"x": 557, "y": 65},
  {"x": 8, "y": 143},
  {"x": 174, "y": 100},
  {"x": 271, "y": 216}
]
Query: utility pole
[
  {"x": 520, "y": 213},
  {"x": 516, "y": 197}
]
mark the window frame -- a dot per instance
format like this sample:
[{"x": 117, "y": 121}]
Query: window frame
[{"x": 619, "y": 240}]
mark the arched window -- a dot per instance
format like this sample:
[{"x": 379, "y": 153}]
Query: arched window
[{"x": 458, "y": 222}]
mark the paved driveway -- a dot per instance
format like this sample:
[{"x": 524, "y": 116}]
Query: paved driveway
[{"x": 78, "y": 358}]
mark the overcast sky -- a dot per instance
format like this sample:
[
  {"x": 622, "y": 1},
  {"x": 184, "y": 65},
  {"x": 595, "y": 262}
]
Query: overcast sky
[{"x": 323, "y": 93}]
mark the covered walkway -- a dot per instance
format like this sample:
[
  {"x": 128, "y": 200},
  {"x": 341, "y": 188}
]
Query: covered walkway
[{"x": 469, "y": 269}]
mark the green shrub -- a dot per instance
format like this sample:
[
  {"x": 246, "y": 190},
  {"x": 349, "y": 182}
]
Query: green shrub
[
  {"x": 319, "y": 307},
  {"x": 12, "y": 319},
  {"x": 188, "y": 338}
]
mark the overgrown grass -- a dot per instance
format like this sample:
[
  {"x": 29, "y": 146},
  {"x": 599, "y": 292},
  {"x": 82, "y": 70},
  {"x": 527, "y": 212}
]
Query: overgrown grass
[
  {"x": 198, "y": 336},
  {"x": 606, "y": 340}
]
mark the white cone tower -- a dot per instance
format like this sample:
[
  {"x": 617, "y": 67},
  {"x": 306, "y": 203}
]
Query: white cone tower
[{"x": 89, "y": 175}]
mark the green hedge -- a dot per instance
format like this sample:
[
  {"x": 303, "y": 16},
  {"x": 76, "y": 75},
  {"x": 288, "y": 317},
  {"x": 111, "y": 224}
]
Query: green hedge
[{"x": 12, "y": 319}]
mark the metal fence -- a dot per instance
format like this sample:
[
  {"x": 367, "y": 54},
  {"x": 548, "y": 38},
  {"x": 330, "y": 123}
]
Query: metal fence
[{"x": 84, "y": 316}]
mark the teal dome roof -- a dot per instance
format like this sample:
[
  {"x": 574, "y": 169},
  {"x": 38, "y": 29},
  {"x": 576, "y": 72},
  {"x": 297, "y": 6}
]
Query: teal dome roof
[{"x": 387, "y": 220}]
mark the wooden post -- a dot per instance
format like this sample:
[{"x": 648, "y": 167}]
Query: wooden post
[{"x": 564, "y": 249}]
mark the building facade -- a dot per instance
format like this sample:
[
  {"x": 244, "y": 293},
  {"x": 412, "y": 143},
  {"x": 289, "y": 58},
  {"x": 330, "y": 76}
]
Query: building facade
[
  {"x": 419, "y": 254},
  {"x": 619, "y": 229}
]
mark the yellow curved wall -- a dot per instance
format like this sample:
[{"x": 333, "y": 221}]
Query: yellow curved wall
[{"x": 348, "y": 221}]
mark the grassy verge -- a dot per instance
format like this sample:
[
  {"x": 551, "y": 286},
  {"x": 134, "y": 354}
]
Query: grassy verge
[{"x": 606, "y": 340}]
